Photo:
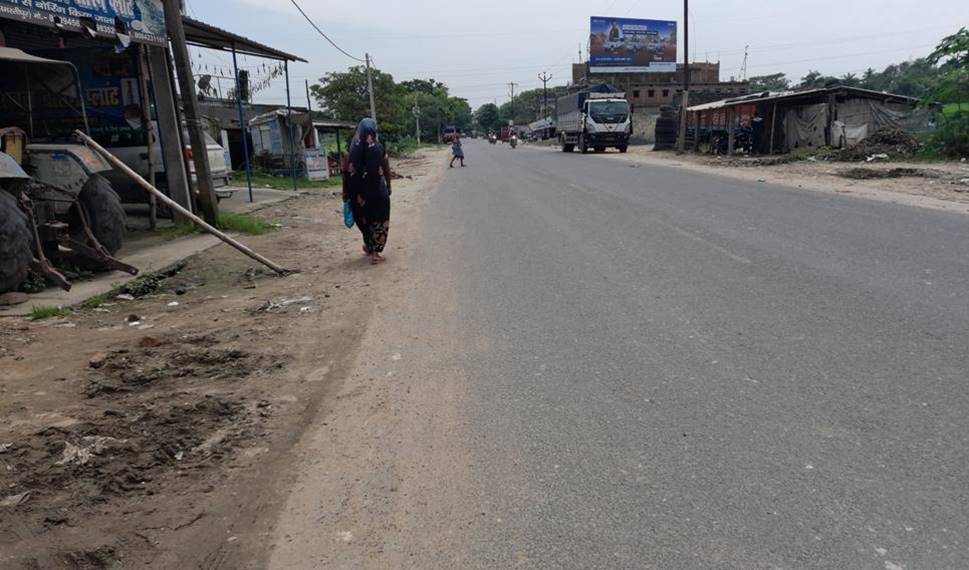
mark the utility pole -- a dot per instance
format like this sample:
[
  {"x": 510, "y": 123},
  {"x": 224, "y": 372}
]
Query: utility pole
[
  {"x": 545, "y": 77},
  {"x": 373, "y": 106},
  {"x": 743, "y": 70},
  {"x": 309, "y": 102},
  {"x": 685, "y": 99},
  {"x": 417, "y": 117},
  {"x": 513, "y": 85},
  {"x": 203, "y": 173}
]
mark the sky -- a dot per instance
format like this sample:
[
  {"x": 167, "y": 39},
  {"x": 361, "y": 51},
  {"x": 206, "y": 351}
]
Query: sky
[{"x": 477, "y": 47}]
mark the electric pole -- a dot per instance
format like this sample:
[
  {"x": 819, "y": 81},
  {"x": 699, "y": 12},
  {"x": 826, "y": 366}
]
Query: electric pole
[
  {"x": 545, "y": 77},
  {"x": 512, "y": 85},
  {"x": 417, "y": 117},
  {"x": 373, "y": 106},
  {"x": 685, "y": 99},
  {"x": 176, "y": 32},
  {"x": 743, "y": 70}
]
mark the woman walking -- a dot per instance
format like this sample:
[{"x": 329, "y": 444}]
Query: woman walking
[
  {"x": 368, "y": 189},
  {"x": 456, "y": 149}
]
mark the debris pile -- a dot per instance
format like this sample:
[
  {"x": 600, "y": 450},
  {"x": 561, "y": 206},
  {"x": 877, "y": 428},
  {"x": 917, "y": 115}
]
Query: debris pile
[{"x": 885, "y": 143}]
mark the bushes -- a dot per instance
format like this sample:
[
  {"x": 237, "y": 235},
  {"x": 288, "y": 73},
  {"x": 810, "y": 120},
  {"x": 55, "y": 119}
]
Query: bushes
[{"x": 951, "y": 135}]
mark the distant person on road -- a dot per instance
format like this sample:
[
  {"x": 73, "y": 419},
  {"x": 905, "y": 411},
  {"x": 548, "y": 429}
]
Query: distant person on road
[
  {"x": 368, "y": 189},
  {"x": 456, "y": 150}
]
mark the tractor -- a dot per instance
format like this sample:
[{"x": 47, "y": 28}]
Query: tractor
[{"x": 56, "y": 207}]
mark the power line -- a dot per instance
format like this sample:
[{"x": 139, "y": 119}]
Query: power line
[{"x": 317, "y": 28}]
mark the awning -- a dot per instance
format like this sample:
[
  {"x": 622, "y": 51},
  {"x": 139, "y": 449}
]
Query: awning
[
  {"x": 14, "y": 54},
  {"x": 205, "y": 35}
]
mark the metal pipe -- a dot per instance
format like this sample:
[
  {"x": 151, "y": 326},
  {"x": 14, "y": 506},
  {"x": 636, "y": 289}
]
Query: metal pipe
[
  {"x": 289, "y": 120},
  {"x": 243, "y": 127}
]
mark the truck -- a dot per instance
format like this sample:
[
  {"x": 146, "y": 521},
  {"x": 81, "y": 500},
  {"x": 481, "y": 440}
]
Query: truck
[{"x": 595, "y": 118}]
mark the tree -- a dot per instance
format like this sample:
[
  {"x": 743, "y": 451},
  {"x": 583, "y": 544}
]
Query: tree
[
  {"x": 774, "y": 82},
  {"x": 486, "y": 117},
  {"x": 343, "y": 95}
]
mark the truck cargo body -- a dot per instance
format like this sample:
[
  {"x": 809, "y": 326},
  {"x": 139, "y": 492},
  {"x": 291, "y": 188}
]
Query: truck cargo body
[{"x": 595, "y": 118}]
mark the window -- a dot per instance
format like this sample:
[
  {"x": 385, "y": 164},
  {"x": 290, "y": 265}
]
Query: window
[
  {"x": 635, "y": 93},
  {"x": 651, "y": 93},
  {"x": 666, "y": 92}
]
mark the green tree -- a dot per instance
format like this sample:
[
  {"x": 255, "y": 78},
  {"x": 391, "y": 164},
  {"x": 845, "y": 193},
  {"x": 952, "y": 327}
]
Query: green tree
[
  {"x": 773, "y": 82},
  {"x": 343, "y": 95},
  {"x": 486, "y": 117}
]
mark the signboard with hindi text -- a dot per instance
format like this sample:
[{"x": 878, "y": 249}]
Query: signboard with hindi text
[{"x": 140, "y": 21}]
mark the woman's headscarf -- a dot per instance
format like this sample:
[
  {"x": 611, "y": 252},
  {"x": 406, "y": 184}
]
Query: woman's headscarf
[{"x": 360, "y": 147}]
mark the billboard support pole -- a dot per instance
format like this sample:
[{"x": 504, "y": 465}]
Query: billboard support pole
[{"x": 685, "y": 99}]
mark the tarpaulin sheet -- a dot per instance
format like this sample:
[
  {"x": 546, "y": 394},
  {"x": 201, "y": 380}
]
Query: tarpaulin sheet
[{"x": 804, "y": 127}]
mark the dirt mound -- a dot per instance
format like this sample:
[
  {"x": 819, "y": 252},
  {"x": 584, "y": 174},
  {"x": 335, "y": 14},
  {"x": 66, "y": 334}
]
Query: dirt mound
[
  {"x": 861, "y": 173},
  {"x": 157, "y": 412},
  {"x": 890, "y": 142},
  {"x": 190, "y": 359}
]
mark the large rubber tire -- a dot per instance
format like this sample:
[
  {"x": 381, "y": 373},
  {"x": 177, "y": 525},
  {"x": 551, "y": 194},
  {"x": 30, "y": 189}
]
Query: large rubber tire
[
  {"x": 600, "y": 149},
  {"x": 623, "y": 149},
  {"x": 583, "y": 146},
  {"x": 104, "y": 211},
  {"x": 15, "y": 239}
]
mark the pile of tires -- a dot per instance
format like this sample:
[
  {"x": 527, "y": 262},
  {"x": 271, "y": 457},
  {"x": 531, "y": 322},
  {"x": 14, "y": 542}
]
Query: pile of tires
[{"x": 666, "y": 129}]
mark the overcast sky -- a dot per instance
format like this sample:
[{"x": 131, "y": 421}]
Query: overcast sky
[{"x": 477, "y": 47}]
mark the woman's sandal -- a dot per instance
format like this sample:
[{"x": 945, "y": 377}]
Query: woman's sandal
[{"x": 377, "y": 258}]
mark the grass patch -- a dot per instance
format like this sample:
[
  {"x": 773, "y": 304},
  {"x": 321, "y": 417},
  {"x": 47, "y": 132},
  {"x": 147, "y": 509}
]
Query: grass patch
[
  {"x": 228, "y": 222},
  {"x": 244, "y": 224},
  {"x": 41, "y": 313},
  {"x": 177, "y": 231},
  {"x": 93, "y": 303},
  {"x": 264, "y": 179}
]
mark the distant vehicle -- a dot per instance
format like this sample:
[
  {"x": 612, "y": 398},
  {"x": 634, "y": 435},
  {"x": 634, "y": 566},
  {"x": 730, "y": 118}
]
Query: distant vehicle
[
  {"x": 505, "y": 134},
  {"x": 597, "y": 117},
  {"x": 136, "y": 158}
]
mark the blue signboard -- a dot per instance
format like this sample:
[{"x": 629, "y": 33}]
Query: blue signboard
[
  {"x": 139, "y": 20},
  {"x": 623, "y": 45}
]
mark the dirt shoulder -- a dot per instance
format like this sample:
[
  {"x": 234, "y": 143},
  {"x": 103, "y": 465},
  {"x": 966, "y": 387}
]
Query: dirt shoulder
[
  {"x": 936, "y": 185},
  {"x": 158, "y": 431}
]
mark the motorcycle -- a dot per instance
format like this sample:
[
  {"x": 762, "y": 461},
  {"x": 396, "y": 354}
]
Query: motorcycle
[
  {"x": 493, "y": 139},
  {"x": 513, "y": 141}
]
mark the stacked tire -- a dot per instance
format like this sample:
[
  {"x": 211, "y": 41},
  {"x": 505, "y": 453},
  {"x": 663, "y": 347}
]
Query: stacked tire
[{"x": 667, "y": 129}]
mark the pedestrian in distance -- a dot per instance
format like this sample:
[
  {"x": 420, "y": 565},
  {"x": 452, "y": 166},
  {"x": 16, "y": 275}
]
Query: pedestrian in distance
[
  {"x": 456, "y": 150},
  {"x": 367, "y": 189}
]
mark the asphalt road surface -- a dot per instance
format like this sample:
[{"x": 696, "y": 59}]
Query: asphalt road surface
[{"x": 653, "y": 368}]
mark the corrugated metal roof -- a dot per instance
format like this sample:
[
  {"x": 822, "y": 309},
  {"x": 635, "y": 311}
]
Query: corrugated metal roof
[
  {"x": 773, "y": 96},
  {"x": 206, "y": 35}
]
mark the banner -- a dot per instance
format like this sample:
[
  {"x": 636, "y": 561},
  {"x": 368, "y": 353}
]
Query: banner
[
  {"x": 622, "y": 45},
  {"x": 143, "y": 20}
]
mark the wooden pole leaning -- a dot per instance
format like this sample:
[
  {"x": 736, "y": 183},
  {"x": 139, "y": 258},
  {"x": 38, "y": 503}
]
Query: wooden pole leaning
[{"x": 174, "y": 205}]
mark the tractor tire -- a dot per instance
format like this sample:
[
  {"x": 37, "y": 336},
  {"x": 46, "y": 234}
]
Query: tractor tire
[
  {"x": 104, "y": 213},
  {"x": 15, "y": 239},
  {"x": 623, "y": 149}
]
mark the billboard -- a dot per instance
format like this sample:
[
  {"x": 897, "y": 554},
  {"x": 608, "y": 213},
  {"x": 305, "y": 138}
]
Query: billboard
[
  {"x": 141, "y": 20},
  {"x": 623, "y": 45}
]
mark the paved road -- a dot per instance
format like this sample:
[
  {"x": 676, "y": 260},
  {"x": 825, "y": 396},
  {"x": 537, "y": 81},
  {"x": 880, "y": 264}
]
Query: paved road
[{"x": 664, "y": 369}]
